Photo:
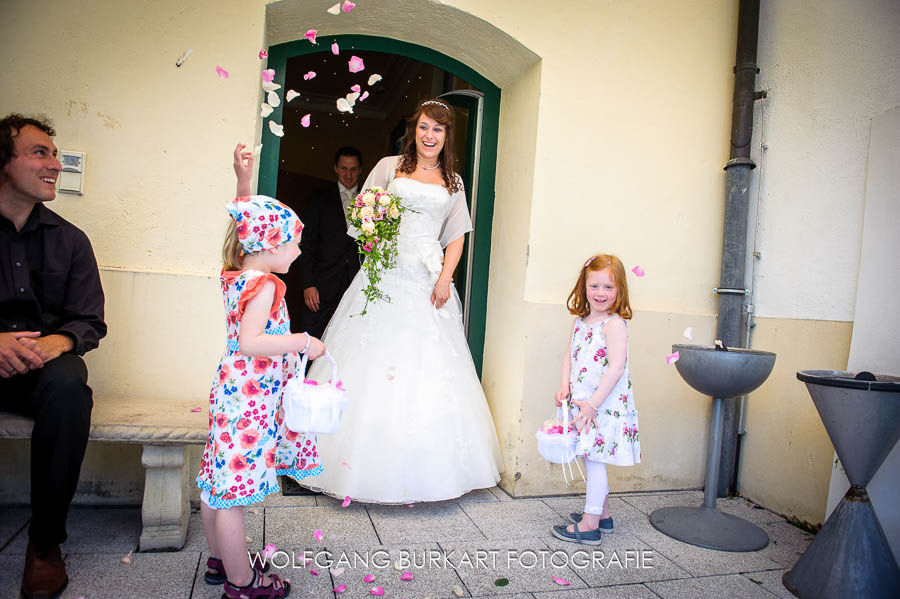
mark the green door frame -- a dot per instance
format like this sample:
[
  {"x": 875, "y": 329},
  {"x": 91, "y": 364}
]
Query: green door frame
[{"x": 478, "y": 278}]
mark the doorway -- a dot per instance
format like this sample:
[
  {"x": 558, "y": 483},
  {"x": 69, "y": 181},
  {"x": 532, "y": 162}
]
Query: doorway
[{"x": 301, "y": 161}]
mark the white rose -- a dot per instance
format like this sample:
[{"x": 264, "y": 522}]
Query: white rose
[
  {"x": 366, "y": 213},
  {"x": 394, "y": 212},
  {"x": 368, "y": 227},
  {"x": 369, "y": 198},
  {"x": 354, "y": 213},
  {"x": 383, "y": 199}
]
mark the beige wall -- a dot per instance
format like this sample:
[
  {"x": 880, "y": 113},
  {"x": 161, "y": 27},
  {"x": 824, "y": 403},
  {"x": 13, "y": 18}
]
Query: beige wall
[{"x": 614, "y": 127}]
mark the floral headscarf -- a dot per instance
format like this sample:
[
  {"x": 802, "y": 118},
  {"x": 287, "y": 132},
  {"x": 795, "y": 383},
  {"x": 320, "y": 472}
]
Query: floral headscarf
[{"x": 263, "y": 223}]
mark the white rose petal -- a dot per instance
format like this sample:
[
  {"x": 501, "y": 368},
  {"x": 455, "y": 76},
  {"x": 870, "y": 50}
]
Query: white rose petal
[
  {"x": 265, "y": 110},
  {"x": 276, "y": 129},
  {"x": 270, "y": 86},
  {"x": 273, "y": 99},
  {"x": 290, "y": 95},
  {"x": 374, "y": 78}
]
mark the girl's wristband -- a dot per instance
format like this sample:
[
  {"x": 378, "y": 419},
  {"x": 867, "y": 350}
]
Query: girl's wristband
[
  {"x": 588, "y": 402},
  {"x": 305, "y": 347}
]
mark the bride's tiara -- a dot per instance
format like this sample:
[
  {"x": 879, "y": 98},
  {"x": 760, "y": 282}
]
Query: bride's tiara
[{"x": 438, "y": 102}]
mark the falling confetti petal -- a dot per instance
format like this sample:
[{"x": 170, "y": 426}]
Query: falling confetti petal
[
  {"x": 356, "y": 64},
  {"x": 334, "y": 10},
  {"x": 309, "y": 75},
  {"x": 268, "y": 74},
  {"x": 398, "y": 565},
  {"x": 184, "y": 57},
  {"x": 197, "y": 409},
  {"x": 263, "y": 54},
  {"x": 270, "y": 86},
  {"x": 126, "y": 559},
  {"x": 273, "y": 99},
  {"x": 561, "y": 581},
  {"x": 337, "y": 571},
  {"x": 689, "y": 333},
  {"x": 672, "y": 358},
  {"x": 410, "y": 505},
  {"x": 290, "y": 95},
  {"x": 638, "y": 271},
  {"x": 276, "y": 129},
  {"x": 340, "y": 588},
  {"x": 377, "y": 591},
  {"x": 351, "y": 98},
  {"x": 223, "y": 74},
  {"x": 374, "y": 78},
  {"x": 355, "y": 88},
  {"x": 346, "y": 464},
  {"x": 343, "y": 105},
  {"x": 311, "y": 35},
  {"x": 348, "y": 6},
  {"x": 335, "y": 49},
  {"x": 364, "y": 96},
  {"x": 391, "y": 373},
  {"x": 346, "y": 501},
  {"x": 313, "y": 571},
  {"x": 305, "y": 120},
  {"x": 369, "y": 578},
  {"x": 257, "y": 150},
  {"x": 269, "y": 550},
  {"x": 265, "y": 110},
  {"x": 248, "y": 539},
  {"x": 501, "y": 582},
  {"x": 458, "y": 590},
  {"x": 406, "y": 575},
  {"x": 318, "y": 532}
]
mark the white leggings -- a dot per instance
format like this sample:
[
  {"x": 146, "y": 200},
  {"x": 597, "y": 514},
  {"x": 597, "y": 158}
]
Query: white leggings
[{"x": 597, "y": 487}]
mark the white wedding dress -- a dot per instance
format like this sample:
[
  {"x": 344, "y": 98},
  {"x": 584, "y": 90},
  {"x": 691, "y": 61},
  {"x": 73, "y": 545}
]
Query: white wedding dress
[{"x": 417, "y": 425}]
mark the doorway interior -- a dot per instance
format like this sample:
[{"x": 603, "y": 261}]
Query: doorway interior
[{"x": 300, "y": 162}]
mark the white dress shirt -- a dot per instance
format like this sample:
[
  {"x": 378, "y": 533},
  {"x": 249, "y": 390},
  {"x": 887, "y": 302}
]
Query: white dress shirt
[{"x": 347, "y": 196}]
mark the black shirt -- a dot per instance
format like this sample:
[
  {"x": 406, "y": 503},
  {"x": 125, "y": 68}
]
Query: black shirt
[{"x": 49, "y": 280}]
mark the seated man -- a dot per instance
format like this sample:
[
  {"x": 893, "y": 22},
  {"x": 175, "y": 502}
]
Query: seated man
[{"x": 51, "y": 312}]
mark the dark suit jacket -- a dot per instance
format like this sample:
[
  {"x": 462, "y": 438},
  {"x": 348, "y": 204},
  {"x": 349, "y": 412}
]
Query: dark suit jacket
[{"x": 329, "y": 258}]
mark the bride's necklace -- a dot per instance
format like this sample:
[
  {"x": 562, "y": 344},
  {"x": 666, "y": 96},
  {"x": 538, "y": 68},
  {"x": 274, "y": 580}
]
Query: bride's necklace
[{"x": 429, "y": 168}]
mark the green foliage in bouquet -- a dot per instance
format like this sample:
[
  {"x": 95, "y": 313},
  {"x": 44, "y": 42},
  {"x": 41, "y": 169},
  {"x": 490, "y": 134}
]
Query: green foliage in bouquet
[{"x": 376, "y": 214}]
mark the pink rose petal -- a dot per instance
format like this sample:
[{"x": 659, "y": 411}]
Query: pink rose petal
[
  {"x": 347, "y": 465},
  {"x": 335, "y": 49},
  {"x": 638, "y": 271},
  {"x": 355, "y": 88},
  {"x": 348, "y": 6},
  {"x": 363, "y": 96},
  {"x": 222, "y": 73},
  {"x": 561, "y": 581},
  {"x": 311, "y": 35},
  {"x": 356, "y": 65},
  {"x": 313, "y": 572},
  {"x": 269, "y": 550},
  {"x": 309, "y": 75},
  {"x": 346, "y": 501},
  {"x": 377, "y": 591},
  {"x": 369, "y": 578},
  {"x": 410, "y": 505},
  {"x": 305, "y": 120},
  {"x": 268, "y": 74},
  {"x": 318, "y": 535},
  {"x": 126, "y": 559},
  {"x": 672, "y": 358},
  {"x": 263, "y": 54},
  {"x": 197, "y": 409},
  {"x": 340, "y": 588},
  {"x": 406, "y": 575}
]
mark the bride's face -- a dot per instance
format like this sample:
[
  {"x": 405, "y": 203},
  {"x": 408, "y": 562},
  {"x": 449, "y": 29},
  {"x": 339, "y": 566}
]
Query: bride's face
[{"x": 430, "y": 136}]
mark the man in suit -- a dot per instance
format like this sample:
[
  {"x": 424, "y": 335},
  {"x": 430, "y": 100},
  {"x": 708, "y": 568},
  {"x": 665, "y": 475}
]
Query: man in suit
[{"x": 329, "y": 259}]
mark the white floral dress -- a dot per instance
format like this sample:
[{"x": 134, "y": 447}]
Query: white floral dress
[
  {"x": 248, "y": 444},
  {"x": 615, "y": 432}
]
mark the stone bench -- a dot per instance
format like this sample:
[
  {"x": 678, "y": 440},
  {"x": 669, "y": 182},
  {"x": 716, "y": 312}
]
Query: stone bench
[{"x": 165, "y": 428}]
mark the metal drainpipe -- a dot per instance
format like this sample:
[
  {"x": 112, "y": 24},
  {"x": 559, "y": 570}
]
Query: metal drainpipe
[{"x": 731, "y": 289}]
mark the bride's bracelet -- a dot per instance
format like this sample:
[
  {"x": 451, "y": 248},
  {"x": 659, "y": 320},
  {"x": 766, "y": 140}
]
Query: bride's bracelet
[{"x": 305, "y": 347}]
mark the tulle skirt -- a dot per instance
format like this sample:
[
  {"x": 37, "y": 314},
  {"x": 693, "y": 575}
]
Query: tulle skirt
[{"x": 417, "y": 426}]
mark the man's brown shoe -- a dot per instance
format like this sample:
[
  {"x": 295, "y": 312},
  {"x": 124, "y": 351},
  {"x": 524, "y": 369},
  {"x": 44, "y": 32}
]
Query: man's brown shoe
[{"x": 45, "y": 573}]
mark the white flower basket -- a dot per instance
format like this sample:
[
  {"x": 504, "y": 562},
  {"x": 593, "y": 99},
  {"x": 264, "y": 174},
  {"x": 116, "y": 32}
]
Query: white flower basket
[
  {"x": 314, "y": 408},
  {"x": 560, "y": 448}
]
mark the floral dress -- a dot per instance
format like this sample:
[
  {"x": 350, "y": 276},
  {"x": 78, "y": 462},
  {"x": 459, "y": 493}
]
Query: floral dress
[
  {"x": 614, "y": 437},
  {"x": 248, "y": 444}
]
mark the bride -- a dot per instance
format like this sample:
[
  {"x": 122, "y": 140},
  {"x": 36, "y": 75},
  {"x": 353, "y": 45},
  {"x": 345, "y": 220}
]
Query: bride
[{"x": 417, "y": 426}]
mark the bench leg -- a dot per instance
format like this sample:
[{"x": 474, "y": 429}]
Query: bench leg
[{"x": 166, "y": 508}]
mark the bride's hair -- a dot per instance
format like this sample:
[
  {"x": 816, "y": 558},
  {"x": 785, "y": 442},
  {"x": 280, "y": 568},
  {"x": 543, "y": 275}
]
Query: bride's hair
[{"x": 443, "y": 114}]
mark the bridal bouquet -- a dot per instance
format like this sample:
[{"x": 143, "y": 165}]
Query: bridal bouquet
[{"x": 376, "y": 215}]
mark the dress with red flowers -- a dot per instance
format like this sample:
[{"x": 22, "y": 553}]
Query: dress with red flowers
[{"x": 248, "y": 444}]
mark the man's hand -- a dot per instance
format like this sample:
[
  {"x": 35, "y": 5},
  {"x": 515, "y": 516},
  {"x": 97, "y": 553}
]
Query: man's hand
[
  {"x": 15, "y": 357},
  {"x": 311, "y": 298},
  {"x": 49, "y": 347}
]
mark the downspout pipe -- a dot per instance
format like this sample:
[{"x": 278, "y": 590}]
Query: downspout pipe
[{"x": 732, "y": 282}]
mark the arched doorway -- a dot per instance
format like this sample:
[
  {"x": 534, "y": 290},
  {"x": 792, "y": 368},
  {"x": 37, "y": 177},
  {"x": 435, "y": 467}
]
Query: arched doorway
[{"x": 478, "y": 101}]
